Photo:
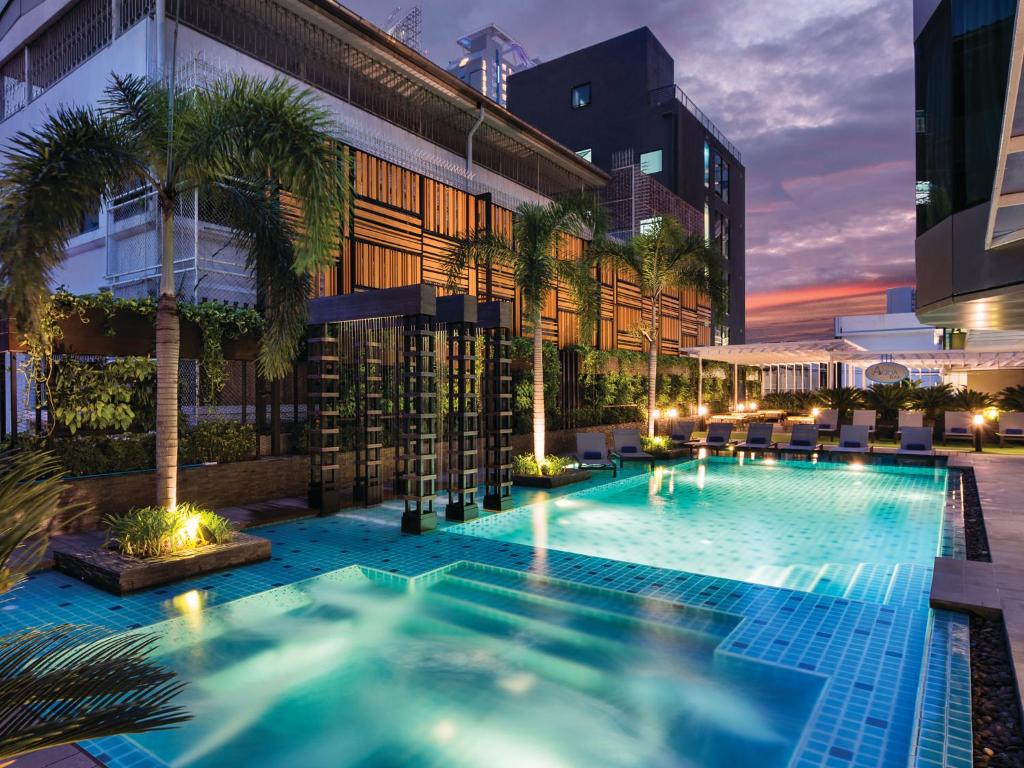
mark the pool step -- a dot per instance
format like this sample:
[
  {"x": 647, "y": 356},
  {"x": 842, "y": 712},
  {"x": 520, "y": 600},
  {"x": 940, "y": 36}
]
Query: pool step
[{"x": 594, "y": 600}]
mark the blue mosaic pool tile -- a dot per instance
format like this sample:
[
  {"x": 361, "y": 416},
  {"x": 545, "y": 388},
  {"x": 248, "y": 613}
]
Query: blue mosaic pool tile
[{"x": 868, "y": 643}]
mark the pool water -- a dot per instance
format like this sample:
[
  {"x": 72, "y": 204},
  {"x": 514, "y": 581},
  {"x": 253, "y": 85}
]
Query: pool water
[
  {"x": 475, "y": 666},
  {"x": 826, "y": 528}
]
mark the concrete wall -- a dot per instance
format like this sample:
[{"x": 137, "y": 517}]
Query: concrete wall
[{"x": 994, "y": 381}]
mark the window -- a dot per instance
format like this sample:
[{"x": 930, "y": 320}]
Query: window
[
  {"x": 650, "y": 162},
  {"x": 587, "y": 154},
  {"x": 581, "y": 96},
  {"x": 707, "y": 165}
]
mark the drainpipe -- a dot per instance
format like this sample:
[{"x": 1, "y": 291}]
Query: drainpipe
[
  {"x": 469, "y": 142},
  {"x": 161, "y": 26}
]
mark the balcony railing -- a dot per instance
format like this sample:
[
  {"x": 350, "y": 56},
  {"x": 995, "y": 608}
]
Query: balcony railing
[{"x": 675, "y": 93}]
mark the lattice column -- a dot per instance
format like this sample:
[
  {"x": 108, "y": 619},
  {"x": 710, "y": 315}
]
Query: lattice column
[
  {"x": 323, "y": 373},
  {"x": 369, "y": 407},
  {"x": 463, "y": 422},
  {"x": 417, "y": 444},
  {"x": 498, "y": 419}
]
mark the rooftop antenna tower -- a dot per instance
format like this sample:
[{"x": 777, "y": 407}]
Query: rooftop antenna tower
[{"x": 405, "y": 29}]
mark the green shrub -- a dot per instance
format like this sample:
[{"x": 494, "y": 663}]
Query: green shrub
[
  {"x": 217, "y": 441},
  {"x": 525, "y": 464},
  {"x": 655, "y": 444},
  {"x": 154, "y": 531}
]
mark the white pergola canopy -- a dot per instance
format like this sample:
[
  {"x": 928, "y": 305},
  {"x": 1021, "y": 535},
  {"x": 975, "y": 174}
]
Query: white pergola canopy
[{"x": 844, "y": 351}]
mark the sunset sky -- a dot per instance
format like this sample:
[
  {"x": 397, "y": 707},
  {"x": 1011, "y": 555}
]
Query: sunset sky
[{"x": 817, "y": 95}]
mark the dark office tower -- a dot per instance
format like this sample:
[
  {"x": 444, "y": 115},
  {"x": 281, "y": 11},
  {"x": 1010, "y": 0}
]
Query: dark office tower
[
  {"x": 970, "y": 164},
  {"x": 616, "y": 104}
]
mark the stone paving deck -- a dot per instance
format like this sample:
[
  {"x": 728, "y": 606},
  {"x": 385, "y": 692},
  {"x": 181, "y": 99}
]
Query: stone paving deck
[{"x": 1001, "y": 490}]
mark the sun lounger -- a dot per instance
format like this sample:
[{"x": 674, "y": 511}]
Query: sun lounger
[
  {"x": 680, "y": 432},
  {"x": 628, "y": 447},
  {"x": 803, "y": 440},
  {"x": 909, "y": 419},
  {"x": 592, "y": 453},
  {"x": 827, "y": 421},
  {"x": 1011, "y": 427},
  {"x": 759, "y": 437},
  {"x": 717, "y": 439},
  {"x": 865, "y": 418},
  {"x": 852, "y": 439},
  {"x": 916, "y": 441},
  {"x": 958, "y": 426}
]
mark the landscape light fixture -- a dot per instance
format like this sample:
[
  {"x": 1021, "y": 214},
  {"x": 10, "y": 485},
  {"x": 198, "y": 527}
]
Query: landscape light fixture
[{"x": 979, "y": 425}]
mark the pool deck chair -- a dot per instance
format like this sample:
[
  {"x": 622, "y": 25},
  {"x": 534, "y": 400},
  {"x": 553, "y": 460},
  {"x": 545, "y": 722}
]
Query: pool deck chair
[
  {"x": 628, "y": 447},
  {"x": 803, "y": 440},
  {"x": 916, "y": 441},
  {"x": 759, "y": 437},
  {"x": 1011, "y": 427},
  {"x": 717, "y": 439},
  {"x": 591, "y": 452},
  {"x": 852, "y": 439},
  {"x": 909, "y": 419},
  {"x": 680, "y": 432},
  {"x": 958, "y": 426},
  {"x": 828, "y": 421},
  {"x": 865, "y": 418}
]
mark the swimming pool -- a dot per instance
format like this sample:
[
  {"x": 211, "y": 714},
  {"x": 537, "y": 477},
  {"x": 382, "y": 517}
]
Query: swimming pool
[
  {"x": 471, "y": 666},
  {"x": 827, "y": 528}
]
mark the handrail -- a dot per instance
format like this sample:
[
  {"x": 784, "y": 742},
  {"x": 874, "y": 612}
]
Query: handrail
[{"x": 674, "y": 92}]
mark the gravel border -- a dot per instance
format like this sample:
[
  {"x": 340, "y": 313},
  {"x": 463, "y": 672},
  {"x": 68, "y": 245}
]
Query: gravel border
[{"x": 998, "y": 733}]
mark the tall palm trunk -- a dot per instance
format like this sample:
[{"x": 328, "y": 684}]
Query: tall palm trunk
[
  {"x": 652, "y": 369},
  {"x": 538, "y": 390},
  {"x": 168, "y": 348}
]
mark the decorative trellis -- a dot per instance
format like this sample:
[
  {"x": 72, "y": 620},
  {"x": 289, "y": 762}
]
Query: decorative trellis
[
  {"x": 416, "y": 451},
  {"x": 496, "y": 326},
  {"x": 324, "y": 392},
  {"x": 459, "y": 314}
]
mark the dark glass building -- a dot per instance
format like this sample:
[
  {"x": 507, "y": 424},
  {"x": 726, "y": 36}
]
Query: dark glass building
[
  {"x": 970, "y": 267},
  {"x": 616, "y": 100}
]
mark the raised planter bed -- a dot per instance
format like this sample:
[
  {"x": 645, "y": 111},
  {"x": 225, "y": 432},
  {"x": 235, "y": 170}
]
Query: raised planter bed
[
  {"x": 671, "y": 454},
  {"x": 84, "y": 557},
  {"x": 552, "y": 481}
]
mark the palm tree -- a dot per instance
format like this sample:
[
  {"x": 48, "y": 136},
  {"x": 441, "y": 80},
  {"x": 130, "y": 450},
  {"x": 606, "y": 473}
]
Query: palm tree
[
  {"x": 535, "y": 254},
  {"x": 888, "y": 399},
  {"x": 932, "y": 401},
  {"x": 842, "y": 399},
  {"x": 251, "y": 140},
  {"x": 65, "y": 683},
  {"x": 1012, "y": 398},
  {"x": 666, "y": 257},
  {"x": 971, "y": 400}
]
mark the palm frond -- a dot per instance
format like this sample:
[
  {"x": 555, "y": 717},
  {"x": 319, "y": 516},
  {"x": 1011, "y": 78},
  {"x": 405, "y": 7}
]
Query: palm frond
[
  {"x": 51, "y": 179},
  {"x": 484, "y": 249},
  {"x": 31, "y": 484},
  {"x": 68, "y": 683},
  {"x": 244, "y": 126},
  {"x": 266, "y": 229}
]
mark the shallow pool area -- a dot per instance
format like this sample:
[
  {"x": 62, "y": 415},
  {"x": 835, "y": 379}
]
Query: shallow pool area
[
  {"x": 828, "y": 528},
  {"x": 459, "y": 669}
]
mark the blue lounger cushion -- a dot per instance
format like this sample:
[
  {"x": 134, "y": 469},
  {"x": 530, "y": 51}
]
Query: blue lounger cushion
[
  {"x": 852, "y": 444},
  {"x": 958, "y": 430},
  {"x": 916, "y": 447},
  {"x": 628, "y": 449},
  {"x": 757, "y": 441},
  {"x": 801, "y": 443},
  {"x": 592, "y": 456},
  {"x": 680, "y": 438},
  {"x": 1013, "y": 431},
  {"x": 716, "y": 439}
]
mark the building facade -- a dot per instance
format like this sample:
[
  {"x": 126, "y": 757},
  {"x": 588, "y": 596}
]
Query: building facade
[
  {"x": 616, "y": 104},
  {"x": 433, "y": 162},
  {"x": 488, "y": 57},
  {"x": 970, "y": 169}
]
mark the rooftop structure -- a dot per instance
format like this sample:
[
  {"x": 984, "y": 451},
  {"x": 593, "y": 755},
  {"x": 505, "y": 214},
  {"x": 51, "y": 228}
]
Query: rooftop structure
[{"x": 489, "y": 57}]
